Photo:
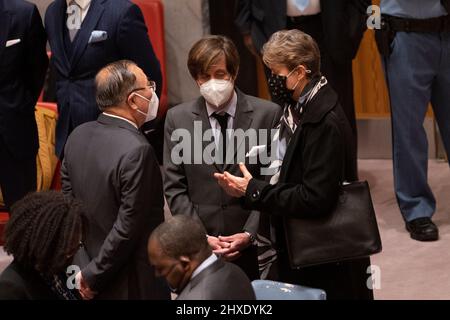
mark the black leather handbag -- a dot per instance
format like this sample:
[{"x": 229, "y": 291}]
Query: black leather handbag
[{"x": 350, "y": 231}]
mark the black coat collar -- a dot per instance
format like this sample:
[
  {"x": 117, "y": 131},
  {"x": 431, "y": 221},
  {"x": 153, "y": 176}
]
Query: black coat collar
[{"x": 322, "y": 103}]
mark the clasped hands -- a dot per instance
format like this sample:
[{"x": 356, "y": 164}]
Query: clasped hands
[{"x": 229, "y": 247}]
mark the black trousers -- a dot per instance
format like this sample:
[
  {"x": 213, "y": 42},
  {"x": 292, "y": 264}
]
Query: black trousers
[
  {"x": 248, "y": 262},
  {"x": 17, "y": 176},
  {"x": 339, "y": 75}
]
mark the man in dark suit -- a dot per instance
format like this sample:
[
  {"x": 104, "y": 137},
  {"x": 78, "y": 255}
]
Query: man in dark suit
[
  {"x": 91, "y": 35},
  {"x": 189, "y": 184},
  {"x": 23, "y": 64},
  {"x": 111, "y": 167},
  {"x": 179, "y": 251},
  {"x": 336, "y": 25}
]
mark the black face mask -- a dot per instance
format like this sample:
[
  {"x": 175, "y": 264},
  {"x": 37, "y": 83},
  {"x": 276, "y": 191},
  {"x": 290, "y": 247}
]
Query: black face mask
[{"x": 278, "y": 90}]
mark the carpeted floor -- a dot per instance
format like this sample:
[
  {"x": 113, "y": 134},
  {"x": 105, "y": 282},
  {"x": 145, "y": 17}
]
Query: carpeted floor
[{"x": 410, "y": 269}]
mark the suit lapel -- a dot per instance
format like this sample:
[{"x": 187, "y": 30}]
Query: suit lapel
[
  {"x": 201, "y": 116},
  {"x": 242, "y": 120},
  {"x": 90, "y": 22},
  {"x": 5, "y": 19}
]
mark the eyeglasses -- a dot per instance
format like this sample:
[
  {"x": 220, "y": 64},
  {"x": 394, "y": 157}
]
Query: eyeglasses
[{"x": 150, "y": 84}]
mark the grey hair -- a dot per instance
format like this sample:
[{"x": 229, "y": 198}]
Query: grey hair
[
  {"x": 291, "y": 48},
  {"x": 114, "y": 83},
  {"x": 182, "y": 236}
]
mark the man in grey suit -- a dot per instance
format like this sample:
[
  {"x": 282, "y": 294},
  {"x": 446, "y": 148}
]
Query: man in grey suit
[
  {"x": 193, "y": 271},
  {"x": 111, "y": 167},
  {"x": 189, "y": 184}
]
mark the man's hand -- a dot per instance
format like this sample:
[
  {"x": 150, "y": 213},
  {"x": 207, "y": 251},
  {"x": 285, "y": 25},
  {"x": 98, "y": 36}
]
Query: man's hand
[
  {"x": 217, "y": 244},
  {"x": 249, "y": 44},
  {"x": 237, "y": 243},
  {"x": 233, "y": 185},
  {"x": 83, "y": 288}
]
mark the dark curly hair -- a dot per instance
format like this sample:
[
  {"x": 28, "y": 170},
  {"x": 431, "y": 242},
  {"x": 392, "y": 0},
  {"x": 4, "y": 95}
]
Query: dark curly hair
[{"x": 44, "y": 231}]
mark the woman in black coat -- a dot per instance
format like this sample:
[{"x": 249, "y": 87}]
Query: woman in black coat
[
  {"x": 316, "y": 150},
  {"x": 43, "y": 234}
]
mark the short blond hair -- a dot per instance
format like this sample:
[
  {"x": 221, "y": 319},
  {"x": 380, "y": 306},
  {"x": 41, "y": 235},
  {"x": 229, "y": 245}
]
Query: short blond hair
[{"x": 291, "y": 48}]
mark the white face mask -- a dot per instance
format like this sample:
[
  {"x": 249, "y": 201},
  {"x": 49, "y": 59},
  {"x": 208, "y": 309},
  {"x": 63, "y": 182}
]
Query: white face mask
[
  {"x": 153, "y": 105},
  {"x": 216, "y": 91}
]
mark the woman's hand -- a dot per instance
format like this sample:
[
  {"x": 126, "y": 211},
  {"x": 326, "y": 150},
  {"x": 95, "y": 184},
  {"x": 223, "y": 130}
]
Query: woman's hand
[{"x": 233, "y": 185}]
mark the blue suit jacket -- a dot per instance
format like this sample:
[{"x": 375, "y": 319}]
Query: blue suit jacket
[
  {"x": 22, "y": 73},
  {"x": 127, "y": 38}
]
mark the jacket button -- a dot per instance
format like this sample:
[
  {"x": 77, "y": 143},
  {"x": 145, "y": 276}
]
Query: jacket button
[{"x": 255, "y": 194}]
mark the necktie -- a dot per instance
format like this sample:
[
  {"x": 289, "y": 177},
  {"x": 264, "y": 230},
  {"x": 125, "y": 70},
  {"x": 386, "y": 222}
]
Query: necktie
[
  {"x": 223, "y": 122},
  {"x": 301, "y": 4},
  {"x": 74, "y": 19}
]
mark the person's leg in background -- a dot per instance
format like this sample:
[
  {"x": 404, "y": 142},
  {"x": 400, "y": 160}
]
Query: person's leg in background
[
  {"x": 411, "y": 69},
  {"x": 440, "y": 94},
  {"x": 17, "y": 177}
]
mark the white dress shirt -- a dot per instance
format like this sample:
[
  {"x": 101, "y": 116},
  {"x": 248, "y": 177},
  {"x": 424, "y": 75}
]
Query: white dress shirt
[
  {"x": 294, "y": 11},
  {"x": 205, "y": 264},
  {"x": 122, "y": 118},
  {"x": 230, "y": 108}
]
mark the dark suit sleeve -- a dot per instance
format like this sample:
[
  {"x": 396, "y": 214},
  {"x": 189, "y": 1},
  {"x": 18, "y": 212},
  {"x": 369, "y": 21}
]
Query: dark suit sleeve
[
  {"x": 243, "y": 16},
  {"x": 36, "y": 59},
  {"x": 10, "y": 290},
  {"x": 136, "y": 177},
  {"x": 344, "y": 25},
  {"x": 175, "y": 181},
  {"x": 134, "y": 44},
  {"x": 322, "y": 165},
  {"x": 66, "y": 185}
]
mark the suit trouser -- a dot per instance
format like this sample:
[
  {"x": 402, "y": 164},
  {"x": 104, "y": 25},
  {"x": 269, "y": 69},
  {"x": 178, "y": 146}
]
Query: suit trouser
[
  {"x": 17, "y": 176},
  {"x": 418, "y": 72}
]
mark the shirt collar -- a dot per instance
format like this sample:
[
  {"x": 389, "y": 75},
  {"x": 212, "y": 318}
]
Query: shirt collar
[
  {"x": 83, "y": 4},
  {"x": 230, "y": 108},
  {"x": 122, "y": 118},
  {"x": 205, "y": 264}
]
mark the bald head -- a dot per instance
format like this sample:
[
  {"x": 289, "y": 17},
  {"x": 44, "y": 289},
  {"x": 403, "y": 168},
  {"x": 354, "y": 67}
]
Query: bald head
[{"x": 115, "y": 81}]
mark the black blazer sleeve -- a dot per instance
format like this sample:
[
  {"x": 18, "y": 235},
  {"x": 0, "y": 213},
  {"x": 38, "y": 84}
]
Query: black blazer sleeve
[
  {"x": 135, "y": 179},
  {"x": 36, "y": 59},
  {"x": 65, "y": 180},
  {"x": 134, "y": 44},
  {"x": 317, "y": 191}
]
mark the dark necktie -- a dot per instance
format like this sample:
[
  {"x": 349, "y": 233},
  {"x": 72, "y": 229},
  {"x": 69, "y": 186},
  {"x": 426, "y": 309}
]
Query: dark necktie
[{"x": 223, "y": 122}]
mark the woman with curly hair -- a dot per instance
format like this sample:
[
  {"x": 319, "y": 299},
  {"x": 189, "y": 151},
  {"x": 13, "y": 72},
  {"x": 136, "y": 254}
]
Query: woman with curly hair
[{"x": 43, "y": 235}]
